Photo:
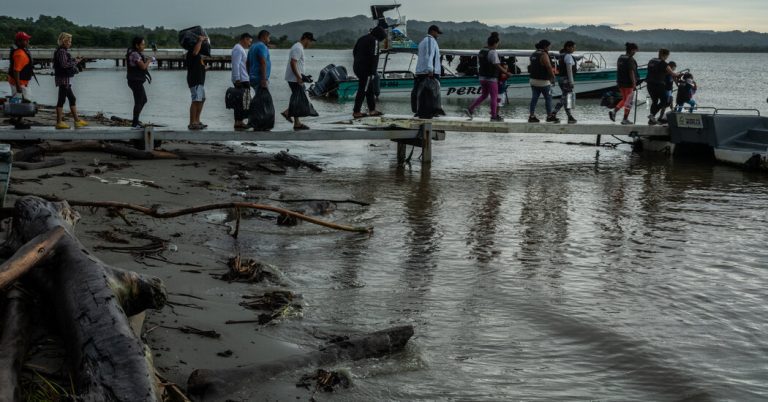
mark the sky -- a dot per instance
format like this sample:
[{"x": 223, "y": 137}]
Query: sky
[{"x": 720, "y": 15}]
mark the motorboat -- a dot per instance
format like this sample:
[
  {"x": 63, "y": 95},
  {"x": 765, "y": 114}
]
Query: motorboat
[{"x": 459, "y": 78}]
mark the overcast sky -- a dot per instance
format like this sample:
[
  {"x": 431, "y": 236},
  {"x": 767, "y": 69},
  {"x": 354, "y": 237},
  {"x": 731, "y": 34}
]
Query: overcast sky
[{"x": 637, "y": 14}]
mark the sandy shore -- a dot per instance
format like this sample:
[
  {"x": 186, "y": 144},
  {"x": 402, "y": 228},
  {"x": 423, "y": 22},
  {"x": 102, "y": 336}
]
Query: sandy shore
[{"x": 198, "y": 248}]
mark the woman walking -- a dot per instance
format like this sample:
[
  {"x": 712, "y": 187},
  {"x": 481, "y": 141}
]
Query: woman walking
[
  {"x": 64, "y": 69},
  {"x": 541, "y": 79},
  {"x": 489, "y": 71},
  {"x": 626, "y": 78},
  {"x": 138, "y": 73}
]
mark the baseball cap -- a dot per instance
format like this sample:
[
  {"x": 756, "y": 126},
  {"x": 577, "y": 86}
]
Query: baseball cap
[
  {"x": 308, "y": 35},
  {"x": 22, "y": 36},
  {"x": 434, "y": 28}
]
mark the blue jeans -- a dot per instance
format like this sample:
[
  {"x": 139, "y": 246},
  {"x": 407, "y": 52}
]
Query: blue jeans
[
  {"x": 547, "y": 92},
  {"x": 680, "y": 106}
]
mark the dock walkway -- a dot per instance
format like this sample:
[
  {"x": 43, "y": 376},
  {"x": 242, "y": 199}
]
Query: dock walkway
[{"x": 402, "y": 129}]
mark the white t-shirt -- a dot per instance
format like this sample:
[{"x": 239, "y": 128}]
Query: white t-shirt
[
  {"x": 297, "y": 53},
  {"x": 239, "y": 57}
]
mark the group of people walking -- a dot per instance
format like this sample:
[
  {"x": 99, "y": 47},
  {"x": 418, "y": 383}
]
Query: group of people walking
[
  {"x": 660, "y": 82},
  {"x": 252, "y": 67}
]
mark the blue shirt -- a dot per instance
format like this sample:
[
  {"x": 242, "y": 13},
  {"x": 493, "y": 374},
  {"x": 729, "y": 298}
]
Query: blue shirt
[
  {"x": 429, "y": 57},
  {"x": 257, "y": 52}
]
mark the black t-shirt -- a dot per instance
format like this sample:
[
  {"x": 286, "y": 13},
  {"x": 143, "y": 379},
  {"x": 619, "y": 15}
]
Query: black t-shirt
[
  {"x": 657, "y": 71},
  {"x": 195, "y": 70}
]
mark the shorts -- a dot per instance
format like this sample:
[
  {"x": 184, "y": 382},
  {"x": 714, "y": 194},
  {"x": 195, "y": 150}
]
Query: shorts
[
  {"x": 198, "y": 93},
  {"x": 25, "y": 92}
]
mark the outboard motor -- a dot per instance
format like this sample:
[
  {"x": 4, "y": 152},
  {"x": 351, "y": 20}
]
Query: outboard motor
[{"x": 328, "y": 80}]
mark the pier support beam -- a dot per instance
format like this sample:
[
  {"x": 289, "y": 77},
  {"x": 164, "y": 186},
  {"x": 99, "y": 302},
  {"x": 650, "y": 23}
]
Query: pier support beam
[
  {"x": 425, "y": 132},
  {"x": 401, "y": 148}
]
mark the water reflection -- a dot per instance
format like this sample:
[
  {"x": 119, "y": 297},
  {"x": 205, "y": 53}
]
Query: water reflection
[
  {"x": 544, "y": 224},
  {"x": 485, "y": 217}
]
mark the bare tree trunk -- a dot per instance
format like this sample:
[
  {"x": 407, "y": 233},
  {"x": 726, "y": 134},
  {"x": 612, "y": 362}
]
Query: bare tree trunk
[
  {"x": 108, "y": 360},
  {"x": 215, "y": 385}
]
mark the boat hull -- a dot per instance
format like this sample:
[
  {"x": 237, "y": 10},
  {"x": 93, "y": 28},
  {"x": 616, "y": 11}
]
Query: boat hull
[{"x": 588, "y": 84}]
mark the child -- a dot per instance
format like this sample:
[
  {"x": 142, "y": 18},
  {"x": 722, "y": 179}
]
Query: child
[{"x": 685, "y": 91}]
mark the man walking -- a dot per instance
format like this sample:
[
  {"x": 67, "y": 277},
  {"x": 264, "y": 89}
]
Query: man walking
[
  {"x": 196, "y": 81},
  {"x": 241, "y": 79},
  {"x": 294, "y": 75},
  {"x": 427, "y": 66},
  {"x": 20, "y": 67},
  {"x": 366, "y": 62},
  {"x": 259, "y": 70}
]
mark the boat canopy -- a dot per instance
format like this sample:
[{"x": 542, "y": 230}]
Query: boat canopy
[{"x": 473, "y": 53}]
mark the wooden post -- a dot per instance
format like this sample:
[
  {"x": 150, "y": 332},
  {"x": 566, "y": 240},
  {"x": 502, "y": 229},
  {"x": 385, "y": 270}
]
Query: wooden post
[
  {"x": 597, "y": 142},
  {"x": 426, "y": 147},
  {"x": 401, "y": 148},
  {"x": 117, "y": 62},
  {"x": 149, "y": 140}
]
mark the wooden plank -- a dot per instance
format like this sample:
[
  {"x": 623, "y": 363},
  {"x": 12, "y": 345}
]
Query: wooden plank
[
  {"x": 123, "y": 134},
  {"x": 480, "y": 125}
]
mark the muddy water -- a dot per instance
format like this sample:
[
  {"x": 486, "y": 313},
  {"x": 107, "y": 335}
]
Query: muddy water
[
  {"x": 535, "y": 270},
  {"x": 531, "y": 270}
]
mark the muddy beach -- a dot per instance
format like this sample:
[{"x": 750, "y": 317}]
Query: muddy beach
[{"x": 220, "y": 298}]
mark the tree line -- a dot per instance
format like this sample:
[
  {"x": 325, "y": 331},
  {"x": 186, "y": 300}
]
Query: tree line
[{"x": 45, "y": 31}]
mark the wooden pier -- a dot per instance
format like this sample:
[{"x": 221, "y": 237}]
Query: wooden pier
[
  {"x": 171, "y": 59},
  {"x": 401, "y": 129}
]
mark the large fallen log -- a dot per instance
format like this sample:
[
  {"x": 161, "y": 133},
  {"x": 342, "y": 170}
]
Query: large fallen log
[
  {"x": 29, "y": 255},
  {"x": 36, "y": 151},
  {"x": 13, "y": 344},
  {"x": 108, "y": 360},
  {"x": 216, "y": 385}
]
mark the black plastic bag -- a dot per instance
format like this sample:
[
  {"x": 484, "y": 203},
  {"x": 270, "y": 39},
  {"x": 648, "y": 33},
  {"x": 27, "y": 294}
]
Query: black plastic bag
[
  {"x": 425, "y": 98},
  {"x": 300, "y": 106},
  {"x": 188, "y": 39},
  {"x": 261, "y": 114},
  {"x": 233, "y": 97}
]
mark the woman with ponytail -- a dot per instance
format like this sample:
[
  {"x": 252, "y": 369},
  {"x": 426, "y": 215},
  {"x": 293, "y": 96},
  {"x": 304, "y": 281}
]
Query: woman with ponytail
[{"x": 489, "y": 71}]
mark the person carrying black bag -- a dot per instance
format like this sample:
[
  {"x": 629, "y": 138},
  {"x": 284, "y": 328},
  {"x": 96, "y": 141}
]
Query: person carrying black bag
[
  {"x": 299, "y": 105},
  {"x": 241, "y": 93},
  {"x": 261, "y": 113},
  {"x": 366, "y": 61},
  {"x": 425, "y": 96}
]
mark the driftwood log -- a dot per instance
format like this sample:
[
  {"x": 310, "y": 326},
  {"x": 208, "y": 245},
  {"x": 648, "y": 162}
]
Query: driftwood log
[
  {"x": 13, "y": 343},
  {"x": 215, "y": 385},
  {"x": 108, "y": 360},
  {"x": 29, "y": 255},
  {"x": 34, "y": 152},
  {"x": 53, "y": 162},
  {"x": 156, "y": 213}
]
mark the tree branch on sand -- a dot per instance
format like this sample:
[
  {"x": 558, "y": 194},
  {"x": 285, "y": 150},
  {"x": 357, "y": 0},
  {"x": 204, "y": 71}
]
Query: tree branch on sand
[{"x": 155, "y": 213}]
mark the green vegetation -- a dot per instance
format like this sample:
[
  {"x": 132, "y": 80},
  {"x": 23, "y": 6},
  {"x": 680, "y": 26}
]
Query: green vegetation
[{"x": 45, "y": 31}]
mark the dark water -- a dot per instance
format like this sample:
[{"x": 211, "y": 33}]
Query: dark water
[
  {"x": 540, "y": 271},
  {"x": 531, "y": 270}
]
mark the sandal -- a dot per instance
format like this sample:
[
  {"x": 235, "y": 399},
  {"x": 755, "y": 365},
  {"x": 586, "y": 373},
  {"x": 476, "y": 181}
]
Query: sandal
[
  {"x": 358, "y": 115},
  {"x": 375, "y": 113},
  {"x": 301, "y": 127},
  {"x": 194, "y": 127},
  {"x": 290, "y": 120}
]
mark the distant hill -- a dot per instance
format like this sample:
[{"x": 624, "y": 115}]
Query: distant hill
[{"x": 343, "y": 32}]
